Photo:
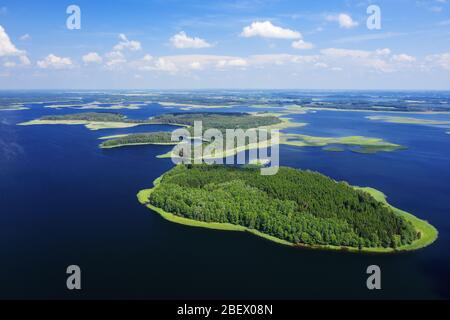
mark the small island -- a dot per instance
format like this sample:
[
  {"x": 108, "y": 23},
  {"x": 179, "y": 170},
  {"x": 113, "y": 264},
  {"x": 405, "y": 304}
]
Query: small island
[
  {"x": 296, "y": 208},
  {"x": 408, "y": 120},
  {"x": 14, "y": 107},
  {"x": 154, "y": 138},
  {"x": 358, "y": 144}
]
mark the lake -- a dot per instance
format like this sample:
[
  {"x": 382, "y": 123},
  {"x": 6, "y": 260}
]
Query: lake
[{"x": 65, "y": 201}]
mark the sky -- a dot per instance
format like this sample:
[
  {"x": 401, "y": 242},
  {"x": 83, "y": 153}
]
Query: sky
[{"x": 234, "y": 44}]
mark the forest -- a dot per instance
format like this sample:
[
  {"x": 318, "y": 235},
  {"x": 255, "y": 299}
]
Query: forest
[
  {"x": 93, "y": 117},
  {"x": 139, "y": 138},
  {"x": 301, "y": 207},
  {"x": 217, "y": 120}
]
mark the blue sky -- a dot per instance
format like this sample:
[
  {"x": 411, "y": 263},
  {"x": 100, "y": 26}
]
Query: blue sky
[{"x": 174, "y": 44}]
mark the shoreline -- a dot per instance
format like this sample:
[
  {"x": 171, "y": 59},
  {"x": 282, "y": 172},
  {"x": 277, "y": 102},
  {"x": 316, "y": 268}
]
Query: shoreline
[{"x": 429, "y": 234}]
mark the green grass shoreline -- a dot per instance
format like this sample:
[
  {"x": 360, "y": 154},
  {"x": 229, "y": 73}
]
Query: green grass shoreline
[{"x": 429, "y": 234}]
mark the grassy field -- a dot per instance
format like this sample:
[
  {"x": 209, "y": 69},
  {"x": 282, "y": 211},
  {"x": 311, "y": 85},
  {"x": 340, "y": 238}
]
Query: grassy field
[{"x": 428, "y": 233}]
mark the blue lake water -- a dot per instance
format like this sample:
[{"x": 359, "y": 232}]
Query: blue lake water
[{"x": 64, "y": 201}]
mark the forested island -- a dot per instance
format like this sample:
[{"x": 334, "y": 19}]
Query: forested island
[
  {"x": 157, "y": 138},
  {"x": 298, "y": 208},
  {"x": 91, "y": 120},
  {"x": 245, "y": 121},
  {"x": 216, "y": 120}
]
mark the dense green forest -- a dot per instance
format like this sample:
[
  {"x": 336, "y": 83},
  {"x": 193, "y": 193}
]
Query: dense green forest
[
  {"x": 301, "y": 207},
  {"x": 94, "y": 117},
  {"x": 151, "y": 137},
  {"x": 218, "y": 120}
]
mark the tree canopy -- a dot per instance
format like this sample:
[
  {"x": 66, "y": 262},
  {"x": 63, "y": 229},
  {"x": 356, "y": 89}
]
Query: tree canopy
[{"x": 301, "y": 207}]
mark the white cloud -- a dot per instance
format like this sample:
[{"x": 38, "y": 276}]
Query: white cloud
[
  {"x": 344, "y": 20},
  {"x": 281, "y": 59},
  {"x": 321, "y": 65},
  {"x": 24, "y": 60},
  {"x": 383, "y": 52},
  {"x": 25, "y": 37},
  {"x": 114, "y": 59},
  {"x": 92, "y": 57},
  {"x": 403, "y": 58},
  {"x": 196, "y": 65},
  {"x": 267, "y": 30},
  {"x": 163, "y": 64},
  {"x": 183, "y": 41},
  {"x": 234, "y": 62},
  {"x": 55, "y": 62},
  {"x": 440, "y": 60},
  {"x": 302, "y": 45},
  {"x": 127, "y": 44},
  {"x": 8, "y": 49},
  {"x": 375, "y": 60},
  {"x": 342, "y": 53}
]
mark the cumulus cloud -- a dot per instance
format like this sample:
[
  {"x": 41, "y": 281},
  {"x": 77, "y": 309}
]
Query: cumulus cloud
[
  {"x": 8, "y": 49},
  {"x": 441, "y": 60},
  {"x": 127, "y": 44},
  {"x": 182, "y": 41},
  {"x": 345, "y": 21},
  {"x": 92, "y": 57},
  {"x": 54, "y": 62},
  {"x": 302, "y": 45},
  {"x": 266, "y": 29}
]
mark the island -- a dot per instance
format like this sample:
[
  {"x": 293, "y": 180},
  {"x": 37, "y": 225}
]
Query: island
[
  {"x": 295, "y": 208},
  {"x": 98, "y": 105},
  {"x": 216, "y": 120},
  {"x": 408, "y": 120},
  {"x": 260, "y": 120},
  {"x": 91, "y": 120},
  {"x": 358, "y": 144},
  {"x": 154, "y": 138},
  {"x": 14, "y": 107}
]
